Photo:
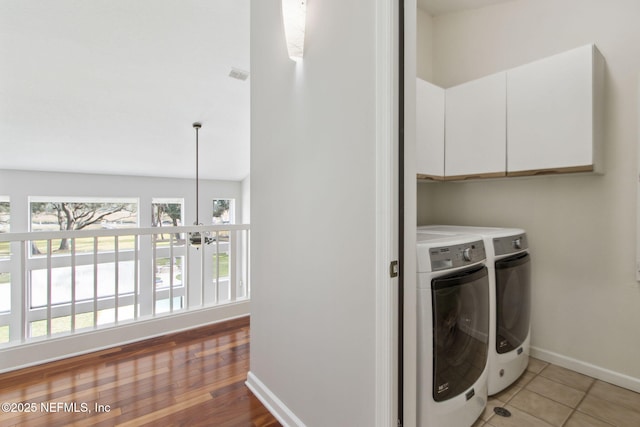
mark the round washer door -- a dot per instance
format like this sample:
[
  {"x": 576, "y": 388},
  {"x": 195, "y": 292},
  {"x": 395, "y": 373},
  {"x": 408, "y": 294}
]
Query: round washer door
[
  {"x": 513, "y": 301},
  {"x": 460, "y": 331}
]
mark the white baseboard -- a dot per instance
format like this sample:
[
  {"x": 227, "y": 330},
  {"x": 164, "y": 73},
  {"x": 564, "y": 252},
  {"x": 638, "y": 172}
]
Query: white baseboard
[
  {"x": 277, "y": 408},
  {"x": 49, "y": 350},
  {"x": 585, "y": 368}
]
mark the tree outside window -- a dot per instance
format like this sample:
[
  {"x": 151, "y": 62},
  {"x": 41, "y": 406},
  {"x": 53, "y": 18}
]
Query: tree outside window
[
  {"x": 5, "y": 220},
  {"x": 5, "y": 215},
  {"x": 78, "y": 214},
  {"x": 167, "y": 213},
  {"x": 223, "y": 211}
]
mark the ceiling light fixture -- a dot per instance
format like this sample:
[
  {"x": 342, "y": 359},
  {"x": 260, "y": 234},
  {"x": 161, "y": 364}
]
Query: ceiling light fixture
[
  {"x": 294, "y": 14},
  {"x": 196, "y": 239}
]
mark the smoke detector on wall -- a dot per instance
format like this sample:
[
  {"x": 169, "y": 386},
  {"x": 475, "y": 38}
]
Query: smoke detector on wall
[{"x": 238, "y": 74}]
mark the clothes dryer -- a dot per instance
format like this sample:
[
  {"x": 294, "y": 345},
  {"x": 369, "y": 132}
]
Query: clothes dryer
[
  {"x": 509, "y": 265},
  {"x": 453, "y": 330}
]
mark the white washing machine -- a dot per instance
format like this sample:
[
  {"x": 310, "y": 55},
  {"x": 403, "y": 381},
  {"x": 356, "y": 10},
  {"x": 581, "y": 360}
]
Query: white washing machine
[
  {"x": 453, "y": 330},
  {"x": 509, "y": 266}
]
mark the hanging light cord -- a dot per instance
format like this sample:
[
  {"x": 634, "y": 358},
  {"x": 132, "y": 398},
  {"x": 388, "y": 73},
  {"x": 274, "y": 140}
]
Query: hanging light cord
[{"x": 197, "y": 127}]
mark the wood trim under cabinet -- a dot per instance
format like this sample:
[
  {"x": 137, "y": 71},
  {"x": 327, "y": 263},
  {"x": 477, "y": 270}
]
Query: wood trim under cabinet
[
  {"x": 425, "y": 177},
  {"x": 552, "y": 171},
  {"x": 475, "y": 176},
  {"x": 533, "y": 172}
]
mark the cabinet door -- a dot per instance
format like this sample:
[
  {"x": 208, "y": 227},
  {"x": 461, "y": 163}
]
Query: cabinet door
[
  {"x": 429, "y": 130},
  {"x": 550, "y": 107},
  {"x": 475, "y": 128}
]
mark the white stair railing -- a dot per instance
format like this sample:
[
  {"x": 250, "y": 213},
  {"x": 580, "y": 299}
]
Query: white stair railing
[{"x": 103, "y": 278}]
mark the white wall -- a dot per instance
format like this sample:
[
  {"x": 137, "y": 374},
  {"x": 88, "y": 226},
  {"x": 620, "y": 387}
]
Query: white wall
[
  {"x": 246, "y": 201},
  {"x": 313, "y": 214},
  {"x": 19, "y": 185},
  {"x": 586, "y": 302},
  {"x": 424, "y": 45}
]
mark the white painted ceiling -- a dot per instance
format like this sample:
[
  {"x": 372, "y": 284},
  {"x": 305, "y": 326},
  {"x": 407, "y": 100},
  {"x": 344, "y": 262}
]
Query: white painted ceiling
[
  {"x": 113, "y": 86},
  {"x": 439, "y": 7}
]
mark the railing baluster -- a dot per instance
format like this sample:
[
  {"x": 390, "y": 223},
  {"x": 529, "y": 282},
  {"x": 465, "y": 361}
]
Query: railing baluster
[
  {"x": 247, "y": 283},
  {"x": 217, "y": 293},
  {"x": 136, "y": 285},
  {"x": 49, "y": 287},
  {"x": 77, "y": 262},
  {"x": 185, "y": 274},
  {"x": 154, "y": 240},
  {"x": 202, "y": 283},
  {"x": 186, "y": 270},
  {"x": 23, "y": 290},
  {"x": 116, "y": 300},
  {"x": 233, "y": 250},
  {"x": 171, "y": 273},
  {"x": 73, "y": 285},
  {"x": 95, "y": 282}
]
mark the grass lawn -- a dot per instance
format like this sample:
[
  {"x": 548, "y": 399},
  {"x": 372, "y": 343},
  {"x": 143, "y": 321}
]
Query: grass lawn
[
  {"x": 4, "y": 249},
  {"x": 82, "y": 245},
  {"x": 224, "y": 265},
  {"x": 61, "y": 324},
  {"x": 105, "y": 244},
  {"x": 85, "y": 245}
]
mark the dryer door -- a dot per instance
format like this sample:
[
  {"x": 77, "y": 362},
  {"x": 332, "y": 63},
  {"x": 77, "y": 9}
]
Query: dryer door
[
  {"x": 513, "y": 301},
  {"x": 461, "y": 331}
]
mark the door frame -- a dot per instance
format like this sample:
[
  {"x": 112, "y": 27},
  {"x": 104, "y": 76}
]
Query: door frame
[{"x": 387, "y": 212}]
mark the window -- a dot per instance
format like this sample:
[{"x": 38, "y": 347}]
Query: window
[
  {"x": 77, "y": 281},
  {"x": 49, "y": 214},
  {"x": 5, "y": 214},
  {"x": 167, "y": 212},
  {"x": 223, "y": 211},
  {"x": 52, "y": 214},
  {"x": 5, "y": 220}
]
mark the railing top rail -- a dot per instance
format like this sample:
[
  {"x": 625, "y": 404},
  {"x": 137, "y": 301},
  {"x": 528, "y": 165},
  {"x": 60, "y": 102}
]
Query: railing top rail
[{"x": 70, "y": 234}]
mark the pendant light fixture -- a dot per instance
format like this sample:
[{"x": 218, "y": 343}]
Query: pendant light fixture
[{"x": 196, "y": 238}]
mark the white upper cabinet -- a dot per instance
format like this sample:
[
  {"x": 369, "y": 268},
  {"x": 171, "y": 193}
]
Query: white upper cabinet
[
  {"x": 543, "y": 117},
  {"x": 554, "y": 114},
  {"x": 430, "y": 130},
  {"x": 475, "y": 129}
]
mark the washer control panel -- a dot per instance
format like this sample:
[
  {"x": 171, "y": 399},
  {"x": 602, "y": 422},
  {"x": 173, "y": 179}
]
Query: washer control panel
[
  {"x": 510, "y": 244},
  {"x": 446, "y": 257}
]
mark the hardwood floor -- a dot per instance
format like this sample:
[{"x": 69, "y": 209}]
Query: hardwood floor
[{"x": 194, "y": 378}]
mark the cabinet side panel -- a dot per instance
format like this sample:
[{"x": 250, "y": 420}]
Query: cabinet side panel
[
  {"x": 429, "y": 129},
  {"x": 599, "y": 70}
]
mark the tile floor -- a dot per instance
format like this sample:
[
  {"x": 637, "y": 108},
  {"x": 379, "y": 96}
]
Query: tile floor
[{"x": 548, "y": 395}]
